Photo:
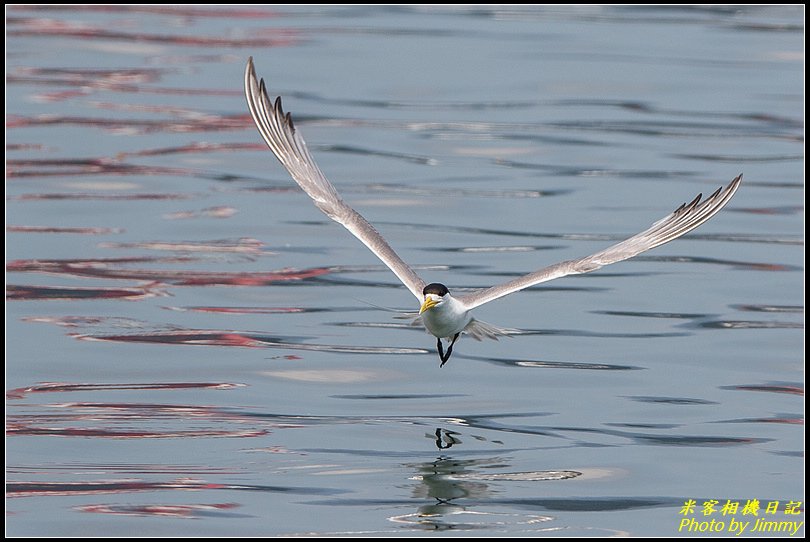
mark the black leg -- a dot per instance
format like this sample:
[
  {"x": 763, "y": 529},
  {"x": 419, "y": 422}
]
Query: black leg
[
  {"x": 444, "y": 357},
  {"x": 441, "y": 350}
]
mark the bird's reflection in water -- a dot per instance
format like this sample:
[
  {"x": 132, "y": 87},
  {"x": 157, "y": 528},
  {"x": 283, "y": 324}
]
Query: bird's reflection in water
[
  {"x": 447, "y": 482},
  {"x": 437, "y": 481},
  {"x": 439, "y": 486}
]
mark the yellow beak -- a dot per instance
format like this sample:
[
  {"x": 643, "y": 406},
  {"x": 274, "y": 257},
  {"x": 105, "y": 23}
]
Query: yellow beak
[{"x": 429, "y": 303}]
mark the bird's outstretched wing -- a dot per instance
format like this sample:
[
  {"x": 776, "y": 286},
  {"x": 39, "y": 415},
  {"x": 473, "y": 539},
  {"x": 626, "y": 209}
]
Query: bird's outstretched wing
[
  {"x": 684, "y": 219},
  {"x": 280, "y": 134}
]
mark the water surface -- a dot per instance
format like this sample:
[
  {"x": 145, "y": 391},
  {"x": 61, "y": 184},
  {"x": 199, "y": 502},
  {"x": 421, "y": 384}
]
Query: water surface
[{"x": 189, "y": 338}]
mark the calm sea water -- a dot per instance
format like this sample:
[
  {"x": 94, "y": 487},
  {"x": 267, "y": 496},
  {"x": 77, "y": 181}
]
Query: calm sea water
[{"x": 193, "y": 349}]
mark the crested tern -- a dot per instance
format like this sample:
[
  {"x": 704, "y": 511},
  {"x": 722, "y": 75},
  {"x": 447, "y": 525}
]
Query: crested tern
[{"x": 443, "y": 315}]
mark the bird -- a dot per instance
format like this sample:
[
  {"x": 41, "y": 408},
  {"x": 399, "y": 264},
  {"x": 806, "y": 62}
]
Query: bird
[{"x": 444, "y": 315}]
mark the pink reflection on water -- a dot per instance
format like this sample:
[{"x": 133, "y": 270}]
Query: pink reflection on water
[
  {"x": 197, "y": 148},
  {"x": 774, "y": 388},
  {"x": 56, "y": 229},
  {"x": 192, "y": 337},
  {"x": 87, "y": 321},
  {"x": 176, "y": 11},
  {"x": 98, "y": 197},
  {"x": 244, "y": 245},
  {"x": 20, "y": 429},
  {"x": 124, "y": 420},
  {"x": 221, "y": 211},
  {"x": 42, "y": 27},
  {"x": 85, "y": 166},
  {"x": 36, "y": 489},
  {"x": 46, "y": 265},
  {"x": 205, "y": 337},
  {"x": 182, "y": 511},
  {"x": 240, "y": 310},
  {"x": 60, "y": 387},
  {"x": 100, "y": 77},
  {"x": 781, "y": 419},
  {"x": 107, "y": 268},
  {"x": 781, "y": 210},
  {"x": 77, "y": 82},
  {"x": 24, "y": 147},
  {"x": 203, "y": 123}
]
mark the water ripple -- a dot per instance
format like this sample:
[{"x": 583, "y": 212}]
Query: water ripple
[
  {"x": 348, "y": 149},
  {"x": 204, "y": 337},
  {"x": 397, "y": 396},
  {"x": 671, "y": 400},
  {"x": 265, "y": 310},
  {"x": 747, "y": 324},
  {"x": 61, "y": 229},
  {"x": 493, "y": 249},
  {"x": 546, "y": 364},
  {"x": 59, "y": 387},
  {"x": 575, "y": 434},
  {"x": 735, "y": 238},
  {"x": 664, "y": 315},
  {"x": 796, "y": 309},
  {"x": 73, "y": 293},
  {"x": 745, "y": 266},
  {"x": 791, "y": 419},
  {"x": 521, "y": 332},
  {"x": 16, "y": 489},
  {"x": 741, "y": 159},
  {"x": 575, "y": 171}
]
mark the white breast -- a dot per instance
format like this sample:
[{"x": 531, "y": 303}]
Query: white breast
[{"x": 447, "y": 318}]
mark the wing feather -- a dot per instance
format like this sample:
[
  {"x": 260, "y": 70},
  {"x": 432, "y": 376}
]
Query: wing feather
[
  {"x": 279, "y": 133},
  {"x": 682, "y": 220}
]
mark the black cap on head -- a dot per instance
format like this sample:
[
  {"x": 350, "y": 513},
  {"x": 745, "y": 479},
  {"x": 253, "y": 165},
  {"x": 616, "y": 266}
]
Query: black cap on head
[{"x": 435, "y": 288}]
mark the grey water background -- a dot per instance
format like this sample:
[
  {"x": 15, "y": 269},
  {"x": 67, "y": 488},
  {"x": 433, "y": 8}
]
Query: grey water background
[{"x": 193, "y": 349}]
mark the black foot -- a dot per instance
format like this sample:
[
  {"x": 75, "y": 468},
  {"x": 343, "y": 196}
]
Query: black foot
[{"x": 444, "y": 357}]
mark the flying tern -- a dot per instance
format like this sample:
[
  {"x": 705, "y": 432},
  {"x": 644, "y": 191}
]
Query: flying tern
[{"x": 444, "y": 315}]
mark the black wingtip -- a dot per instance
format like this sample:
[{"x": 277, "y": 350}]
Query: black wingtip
[
  {"x": 286, "y": 117},
  {"x": 250, "y": 71},
  {"x": 736, "y": 180},
  {"x": 732, "y": 186},
  {"x": 277, "y": 107}
]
